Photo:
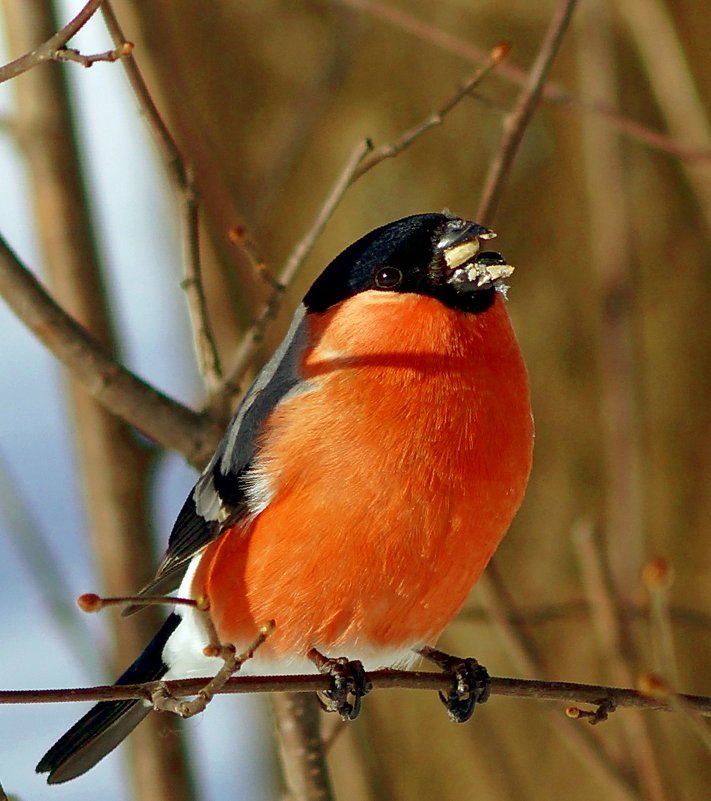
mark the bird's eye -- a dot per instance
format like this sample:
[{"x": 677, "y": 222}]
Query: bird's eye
[{"x": 388, "y": 278}]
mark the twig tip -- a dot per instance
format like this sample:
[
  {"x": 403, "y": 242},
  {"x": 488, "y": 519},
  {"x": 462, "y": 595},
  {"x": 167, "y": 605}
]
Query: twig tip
[
  {"x": 500, "y": 52},
  {"x": 90, "y": 602},
  {"x": 237, "y": 234},
  {"x": 657, "y": 573}
]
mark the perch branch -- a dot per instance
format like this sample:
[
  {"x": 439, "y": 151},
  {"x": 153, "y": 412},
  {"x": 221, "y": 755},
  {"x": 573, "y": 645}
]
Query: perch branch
[{"x": 556, "y": 691}]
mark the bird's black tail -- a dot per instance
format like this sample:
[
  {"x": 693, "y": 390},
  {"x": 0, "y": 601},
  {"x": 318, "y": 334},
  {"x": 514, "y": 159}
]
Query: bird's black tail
[{"x": 109, "y": 722}]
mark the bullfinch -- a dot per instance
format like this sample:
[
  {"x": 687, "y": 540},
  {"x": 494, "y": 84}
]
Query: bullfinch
[{"x": 363, "y": 484}]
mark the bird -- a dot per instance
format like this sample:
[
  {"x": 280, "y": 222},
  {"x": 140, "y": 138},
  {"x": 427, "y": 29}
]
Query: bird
[{"x": 362, "y": 486}]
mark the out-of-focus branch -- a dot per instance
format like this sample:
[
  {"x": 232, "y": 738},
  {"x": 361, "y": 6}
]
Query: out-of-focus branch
[
  {"x": 517, "y": 121},
  {"x": 302, "y": 751},
  {"x": 610, "y": 570},
  {"x": 34, "y": 545},
  {"x": 552, "y": 91},
  {"x": 119, "y": 390},
  {"x": 575, "y": 609},
  {"x": 617, "y": 648},
  {"x": 653, "y": 29},
  {"x": 526, "y": 658}
]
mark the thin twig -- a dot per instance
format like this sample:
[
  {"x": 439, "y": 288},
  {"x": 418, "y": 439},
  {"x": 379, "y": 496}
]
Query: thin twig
[
  {"x": 554, "y": 691},
  {"x": 71, "y": 54},
  {"x": 50, "y": 49},
  {"x": 253, "y": 336},
  {"x": 617, "y": 648},
  {"x": 184, "y": 180},
  {"x": 118, "y": 389},
  {"x": 516, "y": 123},
  {"x": 164, "y": 139},
  {"x": 552, "y": 91},
  {"x": 204, "y": 339},
  {"x": 392, "y": 149},
  {"x": 527, "y": 659},
  {"x": 357, "y": 166}
]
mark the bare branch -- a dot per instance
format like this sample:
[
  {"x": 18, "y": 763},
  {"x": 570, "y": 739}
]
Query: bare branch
[
  {"x": 164, "y": 139},
  {"x": 123, "y": 393},
  {"x": 204, "y": 340},
  {"x": 252, "y": 338},
  {"x": 392, "y": 149},
  {"x": 516, "y": 123},
  {"x": 51, "y": 49},
  {"x": 356, "y": 167},
  {"x": 302, "y": 749},
  {"x": 71, "y": 54},
  {"x": 552, "y": 91},
  {"x": 184, "y": 179},
  {"x": 553, "y": 691}
]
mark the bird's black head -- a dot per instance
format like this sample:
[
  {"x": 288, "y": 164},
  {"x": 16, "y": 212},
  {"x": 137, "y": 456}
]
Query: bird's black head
[{"x": 428, "y": 254}]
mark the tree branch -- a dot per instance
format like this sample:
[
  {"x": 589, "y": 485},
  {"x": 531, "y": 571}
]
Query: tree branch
[
  {"x": 358, "y": 164},
  {"x": 554, "y": 691},
  {"x": 553, "y": 92},
  {"x": 392, "y": 149},
  {"x": 184, "y": 181},
  {"x": 71, "y": 54},
  {"x": 252, "y": 338},
  {"x": 123, "y": 393},
  {"x": 53, "y": 49},
  {"x": 516, "y": 123}
]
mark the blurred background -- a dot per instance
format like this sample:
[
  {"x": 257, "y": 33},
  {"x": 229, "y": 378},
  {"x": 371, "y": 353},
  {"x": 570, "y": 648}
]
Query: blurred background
[{"x": 608, "y": 226}]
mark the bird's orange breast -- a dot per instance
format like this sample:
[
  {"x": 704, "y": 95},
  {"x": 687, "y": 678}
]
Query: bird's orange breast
[{"x": 393, "y": 478}]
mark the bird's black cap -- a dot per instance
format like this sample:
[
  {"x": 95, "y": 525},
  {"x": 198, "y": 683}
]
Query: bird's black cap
[{"x": 419, "y": 254}]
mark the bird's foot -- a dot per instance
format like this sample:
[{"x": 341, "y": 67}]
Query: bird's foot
[
  {"x": 164, "y": 701},
  {"x": 471, "y": 683},
  {"x": 349, "y": 683}
]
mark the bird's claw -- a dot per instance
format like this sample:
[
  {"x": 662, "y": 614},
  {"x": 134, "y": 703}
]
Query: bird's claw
[
  {"x": 471, "y": 683},
  {"x": 349, "y": 683}
]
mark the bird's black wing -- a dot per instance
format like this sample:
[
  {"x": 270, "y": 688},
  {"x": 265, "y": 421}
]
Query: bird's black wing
[
  {"x": 219, "y": 497},
  {"x": 107, "y": 723}
]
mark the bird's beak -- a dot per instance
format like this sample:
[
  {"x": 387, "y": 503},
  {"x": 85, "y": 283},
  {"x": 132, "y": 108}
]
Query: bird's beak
[{"x": 467, "y": 269}]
